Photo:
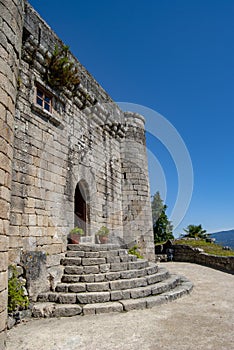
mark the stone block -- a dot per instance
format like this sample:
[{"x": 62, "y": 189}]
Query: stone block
[
  {"x": 71, "y": 278},
  {"x": 64, "y": 310},
  {"x": 93, "y": 297},
  {"x": 77, "y": 287},
  {"x": 105, "y": 268},
  {"x": 91, "y": 254},
  {"x": 89, "y": 309},
  {"x": 116, "y": 295},
  {"x": 3, "y": 300},
  {"x": 108, "y": 307},
  {"x": 91, "y": 269},
  {"x": 140, "y": 292},
  {"x": 110, "y": 276},
  {"x": 71, "y": 261},
  {"x": 137, "y": 304},
  {"x": 3, "y": 261},
  {"x": 4, "y": 243},
  {"x": 87, "y": 278},
  {"x": 73, "y": 270},
  {"x": 93, "y": 261},
  {"x": 97, "y": 287},
  {"x": 119, "y": 266},
  {"x": 36, "y": 274},
  {"x": 67, "y": 298},
  {"x": 99, "y": 277},
  {"x": 75, "y": 254}
]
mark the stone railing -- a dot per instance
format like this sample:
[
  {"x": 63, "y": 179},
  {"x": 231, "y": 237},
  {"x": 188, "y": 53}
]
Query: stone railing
[{"x": 196, "y": 255}]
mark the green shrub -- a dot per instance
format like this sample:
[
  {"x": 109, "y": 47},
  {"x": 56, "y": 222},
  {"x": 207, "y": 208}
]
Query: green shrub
[
  {"x": 134, "y": 251},
  {"x": 17, "y": 300}
]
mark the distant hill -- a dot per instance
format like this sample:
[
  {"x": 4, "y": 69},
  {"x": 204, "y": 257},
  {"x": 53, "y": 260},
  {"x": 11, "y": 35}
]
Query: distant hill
[{"x": 225, "y": 238}]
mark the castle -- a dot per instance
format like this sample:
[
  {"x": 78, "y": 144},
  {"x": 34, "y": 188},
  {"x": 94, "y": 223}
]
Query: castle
[{"x": 68, "y": 155}]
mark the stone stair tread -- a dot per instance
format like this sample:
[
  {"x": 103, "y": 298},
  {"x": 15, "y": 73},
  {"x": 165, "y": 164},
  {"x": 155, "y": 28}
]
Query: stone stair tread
[
  {"x": 49, "y": 309},
  {"x": 117, "y": 284}
]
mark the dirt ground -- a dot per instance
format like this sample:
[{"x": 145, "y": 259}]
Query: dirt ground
[{"x": 202, "y": 320}]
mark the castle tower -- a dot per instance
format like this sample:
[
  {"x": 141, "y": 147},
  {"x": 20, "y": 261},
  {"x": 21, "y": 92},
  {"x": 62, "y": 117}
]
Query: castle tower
[
  {"x": 11, "y": 24},
  {"x": 137, "y": 217}
]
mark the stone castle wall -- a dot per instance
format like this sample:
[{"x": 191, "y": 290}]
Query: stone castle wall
[
  {"x": 197, "y": 256},
  {"x": 11, "y": 20},
  {"x": 84, "y": 142}
]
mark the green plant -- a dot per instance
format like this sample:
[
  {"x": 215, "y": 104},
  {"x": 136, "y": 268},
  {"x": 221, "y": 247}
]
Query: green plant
[
  {"x": 17, "y": 300},
  {"x": 195, "y": 231},
  {"x": 77, "y": 231},
  {"x": 134, "y": 251},
  {"x": 162, "y": 227},
  {"x": 60, "y": 70},
  {"x": 103, "y": 231}
]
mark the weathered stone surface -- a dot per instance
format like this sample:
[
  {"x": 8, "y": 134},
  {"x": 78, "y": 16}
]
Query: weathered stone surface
[
  {"x": 91, "y": 269},
  {"x": 73, "y": 270},
  {"x": 108, "y": 307},
  {"x": 110, "y": 276},
  {"x": 90, "y": 298},
  {"x": 77, "y": 287},
  {"x": 67, "y": 298},
  {"x": 137, "y": 304},
  {"x": 93, "y": 261},
  {"x": 119, "y": 266},
  {"x": 97, "y": 287},
  {"x": 68, "y": 310},
  {"x": 71, "y": 261},
  {"x": 74, "y": 254},
  {"x": 35, "y": 273}
]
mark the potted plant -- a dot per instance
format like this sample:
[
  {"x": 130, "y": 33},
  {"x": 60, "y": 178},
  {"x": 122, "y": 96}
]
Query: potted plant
[
  {"x": 102, "y": 234},
  {"x": 75, "y": 234}
]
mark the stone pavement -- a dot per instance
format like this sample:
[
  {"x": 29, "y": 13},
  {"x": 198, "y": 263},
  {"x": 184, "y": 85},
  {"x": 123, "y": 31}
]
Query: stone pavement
[{"x": 202, "y": 320}]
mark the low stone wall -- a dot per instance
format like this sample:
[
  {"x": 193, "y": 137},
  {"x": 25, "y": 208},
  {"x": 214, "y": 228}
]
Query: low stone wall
[{"x": 196, "y": 255}]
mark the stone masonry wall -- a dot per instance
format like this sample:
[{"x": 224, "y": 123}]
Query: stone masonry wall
[
  {"x": 137, "y": 216},
  {"x": 194, "y": 255},
  {"x": 11, "y": 20},
  {"x": 85, "y": 141}
]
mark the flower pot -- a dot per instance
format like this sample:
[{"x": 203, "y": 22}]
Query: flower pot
[
  {"x": 103, "y": 239},
  {"x": 75, "y": 239}
]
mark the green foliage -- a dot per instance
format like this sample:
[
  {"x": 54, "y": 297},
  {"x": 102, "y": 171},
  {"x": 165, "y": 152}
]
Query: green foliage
[
  {"x": 162, "y": 227},
  {"x": 61, "y": 71},
  {"x": 209, "y": 248},
  {"x": 103, "y": 231},
  {"x": 195, "y": 231},
  {"x": 134, "y": 251},
  {"x": 77, "y": 230},
  {"x": 17, "y": 300}
]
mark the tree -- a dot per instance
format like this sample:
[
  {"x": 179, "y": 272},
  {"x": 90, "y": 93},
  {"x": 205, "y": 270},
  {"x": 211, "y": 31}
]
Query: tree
[
  {"x": 162, "y": 227},
  {"x": 195, "y": 231}
]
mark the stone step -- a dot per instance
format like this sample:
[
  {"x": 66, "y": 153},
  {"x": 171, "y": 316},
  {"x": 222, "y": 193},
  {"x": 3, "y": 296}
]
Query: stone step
[
  {"x": 56, "y": 310},
  {"x": 71, "y": 274},
  {"x": 111, "y": 285},
  {"x": 81, "y": 266},
  {"x": 94, "y": 247},
  {"x": 111, "y": 255},
  {"x": 50, "y": 309},
  {"x": 104, "y": 291}
]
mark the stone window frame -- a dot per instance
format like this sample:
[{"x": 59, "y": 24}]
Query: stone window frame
[
  {"x": 44, "y": 97},
  {"x": 52, "y": 115}
]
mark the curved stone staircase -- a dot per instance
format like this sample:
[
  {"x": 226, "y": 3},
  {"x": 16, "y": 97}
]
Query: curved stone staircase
[{"x": 104, "y": 278}]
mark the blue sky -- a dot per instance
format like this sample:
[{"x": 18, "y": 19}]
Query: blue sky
[{"x": 175, "y": 57}]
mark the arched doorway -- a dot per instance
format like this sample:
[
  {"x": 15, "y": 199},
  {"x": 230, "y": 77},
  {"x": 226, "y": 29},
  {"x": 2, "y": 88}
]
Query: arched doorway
[{"x": 81, "y": 215}]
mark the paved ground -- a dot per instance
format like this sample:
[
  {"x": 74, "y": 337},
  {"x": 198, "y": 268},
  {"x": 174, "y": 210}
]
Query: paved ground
[{"x": 201, "y": 321}]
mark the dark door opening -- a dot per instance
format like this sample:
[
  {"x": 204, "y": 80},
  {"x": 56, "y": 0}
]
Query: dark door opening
[{"x": 80, "y": 210}]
